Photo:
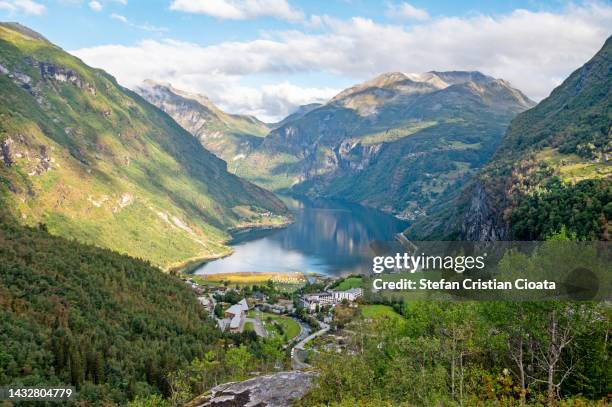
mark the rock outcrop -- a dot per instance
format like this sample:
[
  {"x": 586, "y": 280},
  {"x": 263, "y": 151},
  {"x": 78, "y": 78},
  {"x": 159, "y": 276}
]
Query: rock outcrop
[
  {"x": 275, "y": 390},
  {"x": 482, "y": 222}
]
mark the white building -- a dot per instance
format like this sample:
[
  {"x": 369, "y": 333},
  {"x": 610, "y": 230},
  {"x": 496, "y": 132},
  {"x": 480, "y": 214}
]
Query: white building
[
  {"x": 236, "y": 315},
  {"x": 310, "y": 301},
  {"x": 350, "y": 295}
]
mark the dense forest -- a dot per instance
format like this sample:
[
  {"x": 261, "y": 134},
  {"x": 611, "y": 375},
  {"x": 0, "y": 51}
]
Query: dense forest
[
  {"x": 115, "y": 327},
  {"x": 582, "y": 208}
]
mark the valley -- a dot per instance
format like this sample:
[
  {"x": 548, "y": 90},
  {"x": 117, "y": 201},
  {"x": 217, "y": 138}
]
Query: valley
[
  {"x": 398, "y": 143},
  {"x": 156, "y": 250}
]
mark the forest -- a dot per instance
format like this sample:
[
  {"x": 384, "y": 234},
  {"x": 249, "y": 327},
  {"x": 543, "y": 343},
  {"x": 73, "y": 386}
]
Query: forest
[
  {"x": 115, "y": 327},
  {"x": 583, "y": 208},
  {"x": 469, "y": 353}
]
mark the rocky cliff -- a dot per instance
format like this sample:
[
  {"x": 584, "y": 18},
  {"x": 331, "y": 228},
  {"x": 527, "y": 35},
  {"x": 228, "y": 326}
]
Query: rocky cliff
[{"x": 275, "y": 390}]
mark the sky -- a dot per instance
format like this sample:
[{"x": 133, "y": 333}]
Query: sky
[{"x": 267, "y": 57}]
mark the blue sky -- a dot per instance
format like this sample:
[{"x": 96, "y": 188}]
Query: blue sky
[
  {"x": 265, "y": 57},
  {"x": 73, "y": 24}
]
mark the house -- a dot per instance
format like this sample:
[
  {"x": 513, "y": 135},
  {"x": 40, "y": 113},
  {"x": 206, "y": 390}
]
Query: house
[
  {"x": 236, "y": 315},
  {"x": 281, "y": 307},
  {"x": 311, "y": 301},
  {"x": 259, "y": 296}
]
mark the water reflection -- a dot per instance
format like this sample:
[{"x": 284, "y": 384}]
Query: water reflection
[{"x": 328, "y": 237}]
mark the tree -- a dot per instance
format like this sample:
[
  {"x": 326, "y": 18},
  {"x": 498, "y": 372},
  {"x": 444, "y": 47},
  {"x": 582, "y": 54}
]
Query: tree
[{"x": 238, "y": 361}]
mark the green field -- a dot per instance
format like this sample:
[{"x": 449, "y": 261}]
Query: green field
[
  {"x": 350, "y": 282},
  {"x": 391, "y": 135},
  {"x": 290, "y": 327}
]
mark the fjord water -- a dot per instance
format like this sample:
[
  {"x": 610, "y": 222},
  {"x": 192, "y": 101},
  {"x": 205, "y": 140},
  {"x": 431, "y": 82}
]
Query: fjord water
[{"x": 328, "y": 237}]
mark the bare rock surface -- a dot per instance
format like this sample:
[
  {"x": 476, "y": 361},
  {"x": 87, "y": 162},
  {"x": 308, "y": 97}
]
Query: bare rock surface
[{"x": 274, "y": 390}]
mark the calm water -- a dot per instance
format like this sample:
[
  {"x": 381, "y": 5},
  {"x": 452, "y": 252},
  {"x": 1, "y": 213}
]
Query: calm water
[{"x": 328, "y": 237}]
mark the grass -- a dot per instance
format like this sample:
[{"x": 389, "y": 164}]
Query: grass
[
  {"x": 395, "y": 134},
  {"x": 290, "y": 327},
  {"x": 573, "y": 168},
  {"x": 375, "y": 311},
  {"x": 251, "y": 278},
  {"x": 350, "y": 282},
  {"x": 248, "y": 327}
]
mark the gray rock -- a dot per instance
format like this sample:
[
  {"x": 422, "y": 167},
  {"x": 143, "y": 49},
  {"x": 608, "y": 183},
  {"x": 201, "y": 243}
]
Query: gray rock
[{"x": 274, "y": 390}]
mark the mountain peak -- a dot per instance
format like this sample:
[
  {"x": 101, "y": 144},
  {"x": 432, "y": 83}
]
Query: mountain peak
[
  {"x": 166, "y": 89},
  {"x": 386, "y": 79},
  {"x": 458, "y": 77},
  {"x": 398, "y": 87}
]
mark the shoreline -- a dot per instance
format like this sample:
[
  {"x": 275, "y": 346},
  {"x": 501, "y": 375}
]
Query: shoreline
[
  {"x": 256, "y": 228},
  {"x": 189, "y": 266}
]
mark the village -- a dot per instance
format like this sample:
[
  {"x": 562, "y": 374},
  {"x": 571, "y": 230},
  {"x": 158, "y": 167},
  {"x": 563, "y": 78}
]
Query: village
[
  {"x": 297, "y": 311},
  {"x": 235, "y": 308}
]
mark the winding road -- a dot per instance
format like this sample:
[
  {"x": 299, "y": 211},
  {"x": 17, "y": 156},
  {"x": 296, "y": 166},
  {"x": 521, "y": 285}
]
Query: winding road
[{"x": 296, "y": 362}]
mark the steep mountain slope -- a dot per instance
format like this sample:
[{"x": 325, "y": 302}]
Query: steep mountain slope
[
  {"x": 75, "y": 314},
  {"x": 95, "y": 162},
  {"x": 228, "y": 136},
  {"x": 397, "y": 142},
  {"x": 552, "y": 170}
]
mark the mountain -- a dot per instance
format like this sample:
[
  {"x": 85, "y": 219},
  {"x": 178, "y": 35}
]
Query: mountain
[
  {"x": 93, "y": 161},
  {"x": 228, "y": 136},
  {"x": 552, "y": 171},
  {"x": 298, "y": 113},
  {"x": 398, "y": 142}
]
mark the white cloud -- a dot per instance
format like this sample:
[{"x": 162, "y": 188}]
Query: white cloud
[
  {"x": 271, "y": 102},
  {"x": 239, "y": 9},
  {"x": 407, "y": 11},
  {"x": 22, "y": 6},
  {"x": 95, "y": 5},
  {"x": 119, "y": 17},
  {"x": 533, "y": 50},
  {"x": 145, "y": 26}
]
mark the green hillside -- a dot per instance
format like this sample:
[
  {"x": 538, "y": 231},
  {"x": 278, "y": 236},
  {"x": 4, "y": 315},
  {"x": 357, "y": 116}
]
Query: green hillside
[
  {"x": 94, "y": 161},
  {"x": 553, "y": 169},
  {"x": 398, "y": 142},
  {"x": 73, "y": 314},
  {"x": 230, "y": 137}
]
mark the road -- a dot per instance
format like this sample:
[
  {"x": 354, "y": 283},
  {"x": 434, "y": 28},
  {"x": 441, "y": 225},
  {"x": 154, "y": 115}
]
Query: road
[
  {"x": 257, "y": 325},
  {"x": 296, "y": 362}
]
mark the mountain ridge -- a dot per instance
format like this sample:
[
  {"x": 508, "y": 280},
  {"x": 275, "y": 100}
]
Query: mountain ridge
[
  {"x": 228, "y": 136},
  {"x": 339, "y": 150},
  {"x": 96, "y": 162}
]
